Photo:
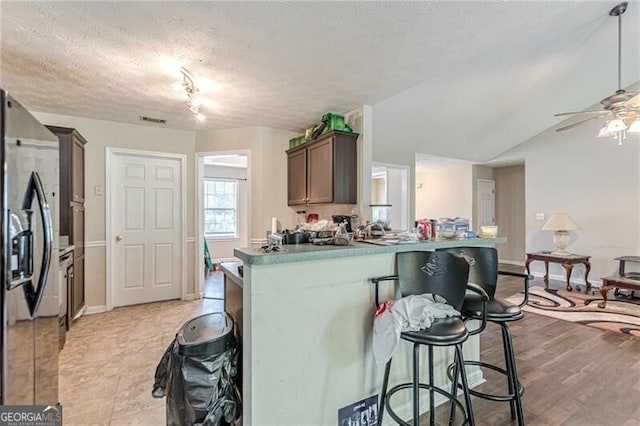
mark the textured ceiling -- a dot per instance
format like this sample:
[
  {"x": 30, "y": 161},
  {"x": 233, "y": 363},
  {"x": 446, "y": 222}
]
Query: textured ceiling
[{"x": 283, "y": 64}]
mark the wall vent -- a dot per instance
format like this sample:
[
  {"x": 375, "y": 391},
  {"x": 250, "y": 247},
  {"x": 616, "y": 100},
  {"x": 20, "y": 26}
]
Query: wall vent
[{"x": 153, "y": 120}]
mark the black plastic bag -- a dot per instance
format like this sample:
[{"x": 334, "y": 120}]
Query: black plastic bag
[{"x": 198, "y": 373}]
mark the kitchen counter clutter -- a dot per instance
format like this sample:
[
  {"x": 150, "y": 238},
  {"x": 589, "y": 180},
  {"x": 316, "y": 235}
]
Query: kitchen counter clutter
[
  {"x": 309, "y": 252},
  {"x": 307, "y": 316}
]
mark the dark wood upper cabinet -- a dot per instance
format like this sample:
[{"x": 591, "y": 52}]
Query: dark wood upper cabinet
[
  {"x": 77, "y": 164},
  {"x": 323, "y": 171},
  {"x": 71, "y": 175},
  {"x": 297, "y": 177},
  {"x": 72, "y": 221}
]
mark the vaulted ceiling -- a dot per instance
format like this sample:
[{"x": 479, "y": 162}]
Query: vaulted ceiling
[{"x": 283, "y": 64}]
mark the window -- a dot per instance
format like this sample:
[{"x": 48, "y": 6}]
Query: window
[{"x": 221, "y": 208}]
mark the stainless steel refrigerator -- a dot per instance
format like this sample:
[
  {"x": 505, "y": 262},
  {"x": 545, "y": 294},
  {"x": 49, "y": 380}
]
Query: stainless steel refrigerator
[{"x": 29, "y": 186}]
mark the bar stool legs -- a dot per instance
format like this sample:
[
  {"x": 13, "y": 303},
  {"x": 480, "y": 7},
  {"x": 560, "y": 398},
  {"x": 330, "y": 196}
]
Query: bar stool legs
[
  {"x": 514, "y": 397},
  {"x": 415, "y": 386},
  {"x": 385, "y": 383},
  {"x": 514, "y": 384}
]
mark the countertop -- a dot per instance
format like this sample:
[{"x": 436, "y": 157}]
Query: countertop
[
  {"x": 64, "y": 250},
  {"x": 304, "y": 252},
  {"x": 230, "y": 269}
]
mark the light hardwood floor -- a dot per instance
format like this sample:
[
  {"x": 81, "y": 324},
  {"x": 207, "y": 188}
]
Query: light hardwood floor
[
  {"x": 573, "y": 374},
  {"x": 108, "y": 363}
]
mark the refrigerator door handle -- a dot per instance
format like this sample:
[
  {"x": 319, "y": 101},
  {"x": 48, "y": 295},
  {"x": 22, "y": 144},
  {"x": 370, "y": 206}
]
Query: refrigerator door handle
[{"x": 35, "y": 188}]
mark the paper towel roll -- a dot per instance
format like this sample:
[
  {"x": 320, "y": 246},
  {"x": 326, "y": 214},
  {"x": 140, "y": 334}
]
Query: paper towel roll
[{"x": 274, "y": 225}]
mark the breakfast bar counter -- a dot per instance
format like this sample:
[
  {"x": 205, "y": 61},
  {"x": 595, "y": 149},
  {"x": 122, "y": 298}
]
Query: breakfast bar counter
[{"x": 307, "y": 330}]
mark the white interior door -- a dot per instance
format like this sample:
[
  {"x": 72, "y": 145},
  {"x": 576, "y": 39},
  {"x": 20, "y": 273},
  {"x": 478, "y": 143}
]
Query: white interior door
[
  {"x": 145, "y": 215},
  {"x": 486, "y": 202}
]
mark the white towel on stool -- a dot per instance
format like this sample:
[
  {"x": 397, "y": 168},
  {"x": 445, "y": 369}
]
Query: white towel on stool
[{"x": 411, "y": 313}]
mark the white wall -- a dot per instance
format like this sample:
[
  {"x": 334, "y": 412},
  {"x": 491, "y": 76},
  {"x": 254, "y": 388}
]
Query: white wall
[
  {"x": 222, "y": 248},
  {"x": 510, "y": 211},
  {"x": 445, "y": 192},
  {"x": 99, "y": 135},
  {"x": 267, "y": 179},
  {"x": 594, "y": 180},
  {"x": 379, "y": 193}
]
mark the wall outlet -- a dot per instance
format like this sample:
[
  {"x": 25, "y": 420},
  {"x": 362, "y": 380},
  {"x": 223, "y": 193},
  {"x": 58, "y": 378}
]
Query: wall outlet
[
  {"x": 539, "y": 216},
  {"x": 98, "y": 190}
]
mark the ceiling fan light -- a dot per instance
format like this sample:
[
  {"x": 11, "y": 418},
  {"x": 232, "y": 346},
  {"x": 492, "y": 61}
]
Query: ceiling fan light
[
  {"x": 616, "y": 125},
  {"x": 634, "y": 127},
  {"x": 604, "y": 133}
]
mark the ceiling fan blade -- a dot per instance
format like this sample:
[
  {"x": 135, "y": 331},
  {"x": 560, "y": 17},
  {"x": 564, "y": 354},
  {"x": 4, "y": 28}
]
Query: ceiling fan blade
[
  {"x": 571, "y": 126},
  {"x": 580, "y": 113},
  {"x": 635, "y": 101}
]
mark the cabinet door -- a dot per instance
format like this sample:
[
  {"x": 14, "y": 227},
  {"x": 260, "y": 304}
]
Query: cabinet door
[
  {"x": 77, "y": 165},
  {"x": 77, "y": 285},
  {"x": 320, "y": 172},
  {"x": 69, "y": 284},
  {"x": 77, "y": 235},
  {"x": 297, "y": 177}
]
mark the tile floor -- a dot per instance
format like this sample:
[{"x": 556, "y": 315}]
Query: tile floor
[{"x": 108, "y": 363}]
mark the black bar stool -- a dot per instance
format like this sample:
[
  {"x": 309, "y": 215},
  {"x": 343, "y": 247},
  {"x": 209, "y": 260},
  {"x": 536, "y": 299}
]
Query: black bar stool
[
  {"x": 445, "y": 275},
  {"x": 484, "y": 272}
]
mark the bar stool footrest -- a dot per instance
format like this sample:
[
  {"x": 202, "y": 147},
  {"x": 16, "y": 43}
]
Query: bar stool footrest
[
  {"x": 426, "y": 386},
  {"x": 490, "y": 397}
]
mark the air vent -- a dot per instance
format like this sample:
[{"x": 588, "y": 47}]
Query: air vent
[{"x": 153, "y": 120}]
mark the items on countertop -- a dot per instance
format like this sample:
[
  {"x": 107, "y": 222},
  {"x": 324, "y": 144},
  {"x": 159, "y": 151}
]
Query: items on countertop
[{"x": 381, "y": 214}]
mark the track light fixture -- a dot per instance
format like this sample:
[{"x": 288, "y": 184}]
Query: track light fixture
[{"x": 188, "y": 84}]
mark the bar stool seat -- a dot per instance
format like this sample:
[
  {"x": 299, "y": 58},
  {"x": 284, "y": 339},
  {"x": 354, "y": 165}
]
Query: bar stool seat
[
  {"x": 497, "y": 309},
  {"x": 443, "y": 332}
]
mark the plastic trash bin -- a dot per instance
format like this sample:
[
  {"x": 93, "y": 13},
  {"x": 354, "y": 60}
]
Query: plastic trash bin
[{"x": 197, "y": 373}]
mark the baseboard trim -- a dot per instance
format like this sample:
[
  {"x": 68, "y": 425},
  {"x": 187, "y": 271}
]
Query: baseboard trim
[
  {"x": 90, "y": 310},
  {"x": 405, "y": 411},
  {"x": 189, "y": 296}
]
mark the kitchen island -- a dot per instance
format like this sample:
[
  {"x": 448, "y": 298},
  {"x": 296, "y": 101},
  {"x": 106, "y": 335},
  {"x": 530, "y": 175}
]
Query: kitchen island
[{"x": 307, "y": 331}]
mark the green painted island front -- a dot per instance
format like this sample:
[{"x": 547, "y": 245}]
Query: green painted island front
[{"x": 307, "y": 331}]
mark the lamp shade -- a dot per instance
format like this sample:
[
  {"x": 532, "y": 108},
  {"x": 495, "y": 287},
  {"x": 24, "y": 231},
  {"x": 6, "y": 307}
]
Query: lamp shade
[{"x": 560, "y": 222}]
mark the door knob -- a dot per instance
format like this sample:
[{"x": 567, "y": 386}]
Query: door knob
[{"x": 119, "y": 238}]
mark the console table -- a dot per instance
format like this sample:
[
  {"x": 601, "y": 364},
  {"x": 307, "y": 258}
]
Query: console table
[
  {"x": 566, "y": 260},
  {"x": 626, "y": 280}
]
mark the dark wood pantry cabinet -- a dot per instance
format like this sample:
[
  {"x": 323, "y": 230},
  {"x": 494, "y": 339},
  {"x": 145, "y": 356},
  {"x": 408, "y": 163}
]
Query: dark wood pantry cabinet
[
  {"x": 323, "y": 171},
  {"x": 72, "y": 196}
]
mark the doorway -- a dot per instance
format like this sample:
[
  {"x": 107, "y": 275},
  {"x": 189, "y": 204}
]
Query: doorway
[
  {"x": 222, "y": 212},
  {"x": 146, "y": 226},
  {"x": 390, "y": 194}
]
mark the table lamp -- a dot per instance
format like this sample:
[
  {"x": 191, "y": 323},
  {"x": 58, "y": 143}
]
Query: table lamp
[{"x": 561, "y": 223}]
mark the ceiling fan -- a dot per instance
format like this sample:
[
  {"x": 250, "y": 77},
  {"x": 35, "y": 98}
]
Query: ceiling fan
[{"x": 622, "y": 109}]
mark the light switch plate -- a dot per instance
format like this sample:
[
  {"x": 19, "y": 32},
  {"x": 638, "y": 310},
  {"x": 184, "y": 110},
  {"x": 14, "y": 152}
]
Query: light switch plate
[
  {"x": 539, "y": 216},
  {"x": 98, "y": 190}
]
